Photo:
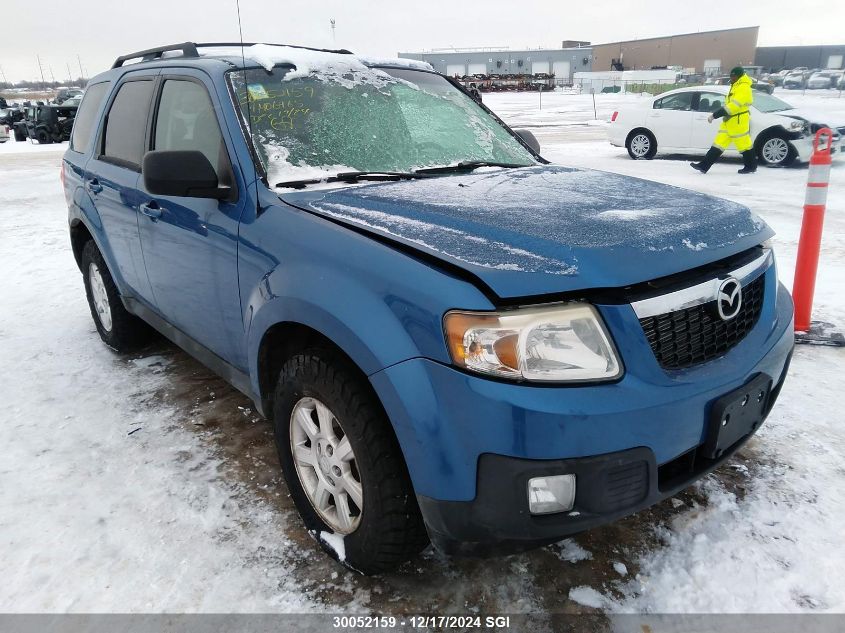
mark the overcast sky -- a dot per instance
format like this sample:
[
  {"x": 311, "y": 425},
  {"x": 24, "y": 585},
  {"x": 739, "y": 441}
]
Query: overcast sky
[{"x": 59, "y": 30}]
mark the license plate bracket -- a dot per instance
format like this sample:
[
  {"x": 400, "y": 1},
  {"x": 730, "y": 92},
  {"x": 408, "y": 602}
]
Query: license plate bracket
[{"x": 736, "y": 414}]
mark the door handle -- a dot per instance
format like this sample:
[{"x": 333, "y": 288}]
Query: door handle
[
  {"x": 151, "y": 210},
  {"x": 94, "y": 186}
]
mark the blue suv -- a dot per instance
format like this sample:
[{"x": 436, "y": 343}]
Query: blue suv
[{"x": 456, "y": 341}]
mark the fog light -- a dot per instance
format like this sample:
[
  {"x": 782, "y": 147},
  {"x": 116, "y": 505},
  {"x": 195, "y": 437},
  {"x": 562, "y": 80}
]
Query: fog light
[{"x": 551, "y": 494}]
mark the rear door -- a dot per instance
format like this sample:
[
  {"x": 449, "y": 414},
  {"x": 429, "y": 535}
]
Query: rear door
[
  {"x": 190, "y": 244},
  {"x": 76, "y": 158},
  {"x": 670, "y": 119},
  {"x": 703, "y": 132},
  {"x": 111, "y": 180}
]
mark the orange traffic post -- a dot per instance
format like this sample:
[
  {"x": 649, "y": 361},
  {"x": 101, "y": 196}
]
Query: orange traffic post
[{"x": 810, "y": 241}]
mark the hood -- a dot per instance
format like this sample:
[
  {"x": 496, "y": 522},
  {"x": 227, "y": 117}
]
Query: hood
[{"x": 547, "y": 229}]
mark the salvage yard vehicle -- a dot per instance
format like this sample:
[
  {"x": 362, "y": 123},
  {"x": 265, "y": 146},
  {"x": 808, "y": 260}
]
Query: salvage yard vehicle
[
  {"x": 454, "y": 339},
  {"x": 67, "y": 93},
  {"x": 676, "y": 122},
  {"x": 10, "y": 115},
  {"x": 46, "y": 123},
  {"x": 824, "y": 80}
]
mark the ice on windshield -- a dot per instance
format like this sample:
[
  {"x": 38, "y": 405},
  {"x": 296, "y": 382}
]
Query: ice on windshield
[{"x": 313, "y": 122}]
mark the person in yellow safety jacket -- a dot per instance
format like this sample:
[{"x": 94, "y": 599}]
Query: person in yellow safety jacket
[{"x": 735, "y": 127}]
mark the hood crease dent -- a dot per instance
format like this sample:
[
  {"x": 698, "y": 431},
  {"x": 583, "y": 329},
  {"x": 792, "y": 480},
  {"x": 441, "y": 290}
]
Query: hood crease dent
[{"x": 547, "y": 229}]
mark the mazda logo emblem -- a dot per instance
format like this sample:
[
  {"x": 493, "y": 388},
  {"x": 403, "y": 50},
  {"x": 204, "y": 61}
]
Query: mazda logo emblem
[{"x": 729, "y": 298}]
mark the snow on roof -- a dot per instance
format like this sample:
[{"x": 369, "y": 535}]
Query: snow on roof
[{"x": 308, "y": 61}]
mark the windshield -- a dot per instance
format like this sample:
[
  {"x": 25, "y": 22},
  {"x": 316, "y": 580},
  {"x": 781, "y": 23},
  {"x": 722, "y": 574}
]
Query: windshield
[
  {"x": 379, "y": 119},
  {"x": 767, "y": 103}
]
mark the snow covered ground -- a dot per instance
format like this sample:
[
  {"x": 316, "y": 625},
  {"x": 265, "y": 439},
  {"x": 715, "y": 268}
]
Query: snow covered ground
[{"x": 145, "y": 484}]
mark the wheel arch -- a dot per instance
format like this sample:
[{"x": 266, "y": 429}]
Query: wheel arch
[
  {"x": 767, "y": 133},
  {"x": 79, "y": 235},
  {"x": 280, "y": 342}
]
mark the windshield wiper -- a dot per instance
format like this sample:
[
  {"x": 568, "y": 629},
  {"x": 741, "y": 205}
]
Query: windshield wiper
[
  {"x": 466, "y": 165},
  {"x": 353, "y": 176}
]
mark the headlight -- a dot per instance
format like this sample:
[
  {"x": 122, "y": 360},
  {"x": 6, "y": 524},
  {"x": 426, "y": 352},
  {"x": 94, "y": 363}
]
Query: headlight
[
  {"x": 560, "y": 343},
  {"x": 797, "y": 125}
]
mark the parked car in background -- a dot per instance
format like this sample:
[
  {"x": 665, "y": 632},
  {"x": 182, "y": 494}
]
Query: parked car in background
[
  {"x": 756, "y": 84},
  {"x": 824, "y": 79},
  {"x": 841, "y": 83},
  {"x": 776, "y": 79},
  {"x": 676, "y": 122},
  {"x": 46, "y": 124},
  {"x": 455, "y": 340},
  {"x": 66, "y": 93},
  {"x": 797, "y": 79},
  {"x": 11, "y": 115},
  {"x": 4, "y": 133}
]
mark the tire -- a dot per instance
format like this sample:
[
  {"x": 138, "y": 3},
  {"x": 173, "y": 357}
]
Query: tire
[
  {"x": 775, "y": 150},
  {"x": 43, "y": 137},
  {"x": 119, "y": 329},
  {"x": 641, "y": 144},
  {"x": 349, "y": 451}
]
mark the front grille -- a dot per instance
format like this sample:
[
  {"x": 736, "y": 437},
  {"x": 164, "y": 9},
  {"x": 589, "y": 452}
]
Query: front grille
[{"x": 695, "y": 335}]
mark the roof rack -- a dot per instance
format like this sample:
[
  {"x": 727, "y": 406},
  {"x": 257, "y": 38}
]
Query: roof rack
[{"x": 189, "y": 49}]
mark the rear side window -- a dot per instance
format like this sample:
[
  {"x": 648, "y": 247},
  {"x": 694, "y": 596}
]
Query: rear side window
[
  {"x": 186, "y": 121},
  {"x": 126, "y": 123},
  {"x": 85, "y": 121}
]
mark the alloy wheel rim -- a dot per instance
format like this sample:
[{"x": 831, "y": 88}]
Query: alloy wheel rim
[
  {"x": 775, "y": 150},
  {"x": 326, "y": 465},
  {"x": 640, "y": 145},
  {"x": 100, "y": 297}
]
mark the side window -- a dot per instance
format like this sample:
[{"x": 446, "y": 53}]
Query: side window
[
  {"x": 126, "y": 123},
  {"x": 85, "y": 121},
  {"x": 186, "y": 121},
  {"x": 710, "y": 102},
  {"x": 680, "y": 101}
]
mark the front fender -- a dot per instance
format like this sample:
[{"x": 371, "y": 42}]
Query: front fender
[{"x": 380, "y": 306}]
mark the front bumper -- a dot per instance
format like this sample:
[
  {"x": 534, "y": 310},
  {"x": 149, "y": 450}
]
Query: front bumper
[
  {"x": 470, "y": 443},
  {"x": 609, "y": 487},
  {"x": 804, "y": 147}
]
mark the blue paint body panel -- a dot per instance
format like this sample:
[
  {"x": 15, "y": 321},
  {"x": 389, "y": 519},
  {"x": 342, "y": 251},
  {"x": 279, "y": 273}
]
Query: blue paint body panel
[{"x": 375, "y": 267}]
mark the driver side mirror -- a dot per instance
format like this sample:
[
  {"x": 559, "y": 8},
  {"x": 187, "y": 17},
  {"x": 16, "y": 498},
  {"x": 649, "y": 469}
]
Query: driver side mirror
[
  {"x": 529, "y": 139},
  {"x": 182, "y": 173}
]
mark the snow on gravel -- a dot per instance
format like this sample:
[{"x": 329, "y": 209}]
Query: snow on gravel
[{"x": 105, "y": 502}]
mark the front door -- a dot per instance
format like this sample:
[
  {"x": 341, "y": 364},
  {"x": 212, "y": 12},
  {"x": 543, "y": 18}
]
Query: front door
[
  {"x": 671, "y": 120},
  {"x": 190, "y": 245}
]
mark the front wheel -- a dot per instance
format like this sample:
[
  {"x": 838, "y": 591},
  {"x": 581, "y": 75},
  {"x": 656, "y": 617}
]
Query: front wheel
[
  {"x": 641, "y": 144},
  {"x": 43, "y": 137},
  {"x": 343, "y": 466},
  {"x": 776, "y": 151}
]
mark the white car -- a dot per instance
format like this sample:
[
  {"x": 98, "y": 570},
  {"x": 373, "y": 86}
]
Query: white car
[
  {"x": 4, "y": 133},
  {"x": 824, "y": 79},
  {"x": 676, "y": 122}
]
